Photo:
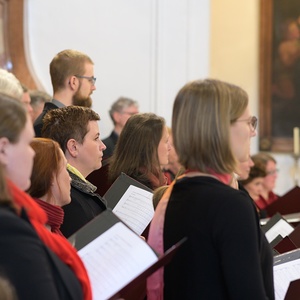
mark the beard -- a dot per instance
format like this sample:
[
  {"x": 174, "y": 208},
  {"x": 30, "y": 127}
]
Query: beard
[{"x": 79, "y": 100}]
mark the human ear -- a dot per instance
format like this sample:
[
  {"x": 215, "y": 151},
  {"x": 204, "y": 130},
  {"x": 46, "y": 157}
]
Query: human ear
[
  {"x": 72, "y": 148},
  {"x": 4, "y": 144},
  {"x": 73, "y": 82}
]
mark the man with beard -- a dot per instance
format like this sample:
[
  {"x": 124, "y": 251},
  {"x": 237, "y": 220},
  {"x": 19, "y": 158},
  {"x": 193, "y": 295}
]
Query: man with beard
[{"x": 73, "y": 82}]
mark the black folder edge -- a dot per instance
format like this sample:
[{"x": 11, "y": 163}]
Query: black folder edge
[
  {"x": 277, "y": 217},
  {"x": 293, "y": 288},
  {"x": 277, "y": 240},
  {"x": 286, "y": 257},
  {"x": 94, "y": 228},
  {"x": 119, "y": 187},
  {"x": 162, "y": 261},
  {"x": 103, "y": 222}
]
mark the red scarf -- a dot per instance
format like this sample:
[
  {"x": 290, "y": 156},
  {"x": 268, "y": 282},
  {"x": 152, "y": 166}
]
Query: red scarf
[
  {"x": 58, "y": 244},
  {"x": 54, "y": 213}
]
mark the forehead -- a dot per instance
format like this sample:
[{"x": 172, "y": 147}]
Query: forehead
[
  {"x": 89, "y": 69},
  {"x": 131, "y": 108},
  {"x": 93, "y": 128},
  {"x": 270, "y": 164}
]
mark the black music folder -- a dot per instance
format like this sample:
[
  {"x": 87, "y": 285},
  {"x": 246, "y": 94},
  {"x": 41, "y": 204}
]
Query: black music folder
[
  {"x": 132, "y": 202},
  {"x": 119, "y": 187},
  {"x": 117, "y": 259},
  {"x": 277, "y": 226},
  {"x": 287, "y": 275}
]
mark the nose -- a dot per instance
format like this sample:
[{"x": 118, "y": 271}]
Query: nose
[{"x": 102, "y": 146}]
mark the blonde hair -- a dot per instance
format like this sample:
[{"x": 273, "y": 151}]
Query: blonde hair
[{"x": 10, "y": 85}]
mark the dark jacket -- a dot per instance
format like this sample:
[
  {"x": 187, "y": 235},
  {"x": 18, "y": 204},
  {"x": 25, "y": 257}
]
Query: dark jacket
[
  {"x": 110, "y": 143},
  {"x": 38, "y": 124},
  {"x": 32, "y": 268},
  {"x": 85, "y": 205}
]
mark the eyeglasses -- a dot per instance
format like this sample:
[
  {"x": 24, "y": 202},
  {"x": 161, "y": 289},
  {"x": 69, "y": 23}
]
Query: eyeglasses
[
  {"x": 91, "y": 79},
  {"x": 272, "y": 172},
  {"x": 251, "y": 121},
  {"x": 128, "y": 113}
]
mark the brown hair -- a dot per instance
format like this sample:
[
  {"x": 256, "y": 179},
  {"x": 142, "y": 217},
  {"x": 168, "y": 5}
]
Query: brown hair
[
  {"x": 5, "y": 197},
  {"x": 136, "y": 150},
  {"x": 202, "y": 114},
  {"x": 70, "y": 122},
  {"x": 67, "y": 63},
  {"x": 261, "y": 159},
  {"x": 13, "y": 118},
  {"x": 157, "y": 195},
  {"x": 46, "y": 165},
  {"x": 255, "y": 172}
]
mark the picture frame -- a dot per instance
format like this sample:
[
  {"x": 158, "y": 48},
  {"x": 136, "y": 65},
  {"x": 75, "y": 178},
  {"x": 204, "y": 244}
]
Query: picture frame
[
  {"x": 279, "y": 74},
  {"x": 4, "y": 52}
]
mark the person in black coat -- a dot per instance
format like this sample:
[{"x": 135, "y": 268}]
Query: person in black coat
[
  {"x": 121, "y": 110},
  {"x": 76, "y": 130},
  {"x": 29, "y": 268}
]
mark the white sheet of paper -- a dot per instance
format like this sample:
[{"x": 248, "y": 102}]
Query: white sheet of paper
[
  {"x": 114, "y": 259},
  {"x": 283, "y": 275},
  {"x": 135, "y": 208},
  {"x": 282, "y": 228}
]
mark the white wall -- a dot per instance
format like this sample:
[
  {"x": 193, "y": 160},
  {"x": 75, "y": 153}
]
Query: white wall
[
  {"x": 147, "y": 49},
  {"x": 143, "y": 49}
]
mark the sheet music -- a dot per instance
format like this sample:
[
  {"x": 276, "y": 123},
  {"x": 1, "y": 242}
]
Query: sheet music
[
  {"x": 135, "y": 208},
  {"x": 283, "y": 275},
  {"x": 280, "y": 228},
  {"x": 114, "y": 259}
]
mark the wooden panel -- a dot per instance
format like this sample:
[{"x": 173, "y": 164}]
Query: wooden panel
[{"x": 16, "y": 43}]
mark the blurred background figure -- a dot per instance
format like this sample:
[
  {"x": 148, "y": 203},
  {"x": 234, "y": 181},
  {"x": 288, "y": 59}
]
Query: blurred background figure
[
  {"x": 50, "y": 181},
  {"x": 266, "y": 163},
  {"x": 121, "y": 110},
  {"x": 38, "y": 100},
  {"x": 26, "y": 100},
  {"x": 10, "y": 85},
  {"x": 173, "y": 168},
  {"x": 253, "y": 184}
]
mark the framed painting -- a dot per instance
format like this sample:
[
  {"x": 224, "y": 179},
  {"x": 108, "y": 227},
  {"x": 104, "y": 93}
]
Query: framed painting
[
  {"x": 4, "y": 53},
  {"x": 279, "y": 69}
]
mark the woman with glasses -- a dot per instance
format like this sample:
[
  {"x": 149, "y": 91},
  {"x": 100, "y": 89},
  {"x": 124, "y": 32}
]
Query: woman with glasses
[
  {"x": 226, "y": 255},
  {"x": 267, "y": 163}
]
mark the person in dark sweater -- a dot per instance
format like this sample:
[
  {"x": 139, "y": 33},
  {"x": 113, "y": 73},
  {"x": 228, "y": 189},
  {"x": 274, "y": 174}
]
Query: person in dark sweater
[
  {"x": 226, "y": 255},
  {"x": 76, "y": 130}
]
